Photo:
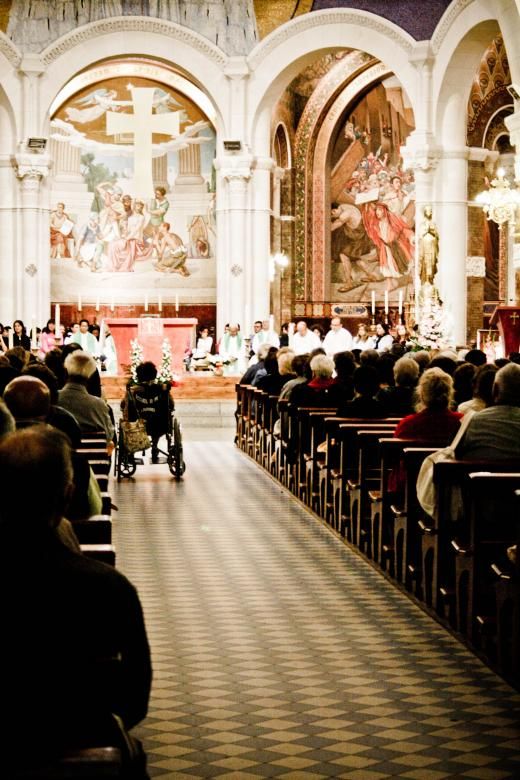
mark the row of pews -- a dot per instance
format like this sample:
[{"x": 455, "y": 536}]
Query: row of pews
[
  {"x": 361, "y": 481},
  {"x": 95, "y": 533}
]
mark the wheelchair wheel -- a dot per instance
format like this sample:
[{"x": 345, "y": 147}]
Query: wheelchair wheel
[
  {"x": 175, "y": 460},
  {"x": 125, "y": 463}
]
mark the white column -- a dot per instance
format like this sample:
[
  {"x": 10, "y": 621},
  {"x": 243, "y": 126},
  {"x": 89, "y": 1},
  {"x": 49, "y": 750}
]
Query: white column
[
  {"x": 452, "y": 222},
  {"x": 33, "y": 280},
  {"x": 513, "y": 125},
  {"x": 189, "y": 166},
  {"x": 257, "y": 272},
  {"x": 235, "y": 219}
]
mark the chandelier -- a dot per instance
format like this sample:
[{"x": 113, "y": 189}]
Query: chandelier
[
  {"x": 277, "y": 261},
  {"x": 500, "y": 202}
]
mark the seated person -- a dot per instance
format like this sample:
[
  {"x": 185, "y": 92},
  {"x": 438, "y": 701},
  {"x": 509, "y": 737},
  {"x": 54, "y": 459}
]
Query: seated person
[
  {"x": 482, "y": 390},
  {"x": 364, "y": 404},
  {"x": 278, "y": 372},
  {"x": 318, "y": 391},
  {"x": 399, "y": 399},
  {"x": 204, "y": 345},
  {"x": 77, "y": 651},
  {"x": 494, "y": 433},
  {"x": 152, "y": 402},
  {"x": 433, "y": 420},
  {"x": 91, "y": 412}
]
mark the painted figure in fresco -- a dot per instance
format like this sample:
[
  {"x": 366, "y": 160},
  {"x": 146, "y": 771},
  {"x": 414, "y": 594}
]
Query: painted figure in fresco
[
  {"x": 392, "y": 237},
  {"x": 61, "y": 230},
  {"x": 90, "y": 245},
  {"x": 113, "y": 210},
  {"x": 198, "y": 237},
  {"x": 428, "y": 248},
  {"x": 351, "y": 244},
  {"x": 171, "y": 252},
  {"x": 158, "y": 208},
  {"x": 395, "y": 197},
  {"x": 123, "y": 252}
]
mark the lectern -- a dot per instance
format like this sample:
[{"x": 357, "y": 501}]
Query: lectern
[
  {"x": 507, "y": 320},
  {"x": 150, "y": 332}
]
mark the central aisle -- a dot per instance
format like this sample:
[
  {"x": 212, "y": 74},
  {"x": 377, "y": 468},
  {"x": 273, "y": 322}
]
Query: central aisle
[{"x": 278, "y": 652}]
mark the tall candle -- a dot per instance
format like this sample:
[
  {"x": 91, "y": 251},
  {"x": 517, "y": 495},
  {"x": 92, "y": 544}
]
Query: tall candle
[
  {"x": 112, "y": 305},
  {"x": 34, "y": 344},
  {"x": 102, "y": 337},
  {"x": 176, "y": 303},
  {"x": 373, "y": 302},
  {"x": 386, "y": 301},
  {"x": 57, "y": 326},
  {"x": 97, "y": 303},
  {"x": 146, "y": 301},
  {"x": 400, "y": 302},
  {"x": 159, "y": 303},
  {"x": 271, "y": 322},
  {"x": 10, "y": 342},
  {"x": 79, "y": 303}
]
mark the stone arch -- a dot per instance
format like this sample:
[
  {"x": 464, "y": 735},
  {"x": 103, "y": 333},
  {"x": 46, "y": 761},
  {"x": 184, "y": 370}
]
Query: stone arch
[
  {"x": 296, "y": 44},
  {"x": 282, "y": 151},
  {"x": 156, "y": 39}
]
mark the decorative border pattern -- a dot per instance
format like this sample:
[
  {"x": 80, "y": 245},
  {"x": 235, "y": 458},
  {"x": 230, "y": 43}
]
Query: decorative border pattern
[
  {"x": 11, "y": 52},
  {"x": 446, "y": 21},
  {"x": 345, "y": 70},
  {"x": 326, "y": 17},
  {"x": 142, "y": 24}
]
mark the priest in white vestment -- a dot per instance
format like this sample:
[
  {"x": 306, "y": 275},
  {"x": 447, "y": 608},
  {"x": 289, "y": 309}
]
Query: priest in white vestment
[
  {"x": 303, "y": 340},
  {"x": 265, "y": 336},
  {"x": 232, "y": 348},
  {"x": 338, "y": 339}
]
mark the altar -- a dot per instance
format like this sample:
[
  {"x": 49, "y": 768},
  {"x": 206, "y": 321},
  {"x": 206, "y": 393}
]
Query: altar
[
  {"x": 507, "y": 319},
  {"x": 150, "y": 332}
]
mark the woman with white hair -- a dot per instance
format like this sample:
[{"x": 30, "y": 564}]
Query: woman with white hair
[
  {"x": 433, "y": 419},
  {"x": 318, "y": 390}
]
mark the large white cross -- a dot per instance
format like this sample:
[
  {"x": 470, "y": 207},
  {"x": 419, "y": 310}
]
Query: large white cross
[{"x": 143, "y": 124}]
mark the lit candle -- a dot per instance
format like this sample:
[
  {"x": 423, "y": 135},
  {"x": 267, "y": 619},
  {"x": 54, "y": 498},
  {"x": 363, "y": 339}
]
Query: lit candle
[
  {"x": 159, "y": 303},
  {"x": 373, "y": 302},
  {"x": 79, "y": 303},
  {"x": 386, "y": 301},
  {"x": 97, "y": 303},
  {"x": 57, "y": 326},
  {"x": 146, "y": 301},
  {"x": 176, "y": 303},
  {"x": 400, "y": 302},
  {"x": 34, "y": 344}
]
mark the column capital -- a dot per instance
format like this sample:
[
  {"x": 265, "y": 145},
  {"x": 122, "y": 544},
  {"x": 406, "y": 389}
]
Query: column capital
[
  {"x": 32, "y": 65},
  {"x": 237, "y": 68},
  {"x": 422, "y": 54},
  {"x": 31, "y": 169},
  {"x": 421, "y": 153},
  {"x": 265, "y": 164},
  {"x": 235, "y": 168}
]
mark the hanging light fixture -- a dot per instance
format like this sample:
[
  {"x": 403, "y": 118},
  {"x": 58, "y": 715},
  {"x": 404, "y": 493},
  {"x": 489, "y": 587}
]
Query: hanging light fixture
[
  {"x": 500, "y": 202},
  {"x": 278, "y": 260}
]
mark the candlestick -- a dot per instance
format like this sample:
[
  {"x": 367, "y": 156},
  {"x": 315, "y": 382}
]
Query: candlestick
[
  {"x": 386, "y": 301},
  {"x": 271, "y": 322},
  {"x": 159, "y": 304},
  {"x": 79, "y": 303},
  {"x": 97, "y": 303},
  {"x": 176, "y": 303},
  {"x": 10, "y": 342},
  {"x": 400, "y": 302},
  {"x": 146, "y": 302},
  {"x": 112, "y": 304},
  {"x": 34, "y": 343},
  {"x": 102, "y": 336},
  {"x": 57, "y": 325},
  {"x": 373, "y": 302}
]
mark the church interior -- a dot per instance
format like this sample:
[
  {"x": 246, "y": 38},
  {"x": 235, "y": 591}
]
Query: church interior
[{"x": 260, "y": 267}]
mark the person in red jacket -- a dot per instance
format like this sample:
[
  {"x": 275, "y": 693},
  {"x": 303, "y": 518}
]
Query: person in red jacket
[{"x": 433, "y": 420}]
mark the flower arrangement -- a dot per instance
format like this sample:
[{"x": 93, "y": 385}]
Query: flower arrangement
[
  {"x": 165, "y": 369},
  {"x": 136, "y": 357}
]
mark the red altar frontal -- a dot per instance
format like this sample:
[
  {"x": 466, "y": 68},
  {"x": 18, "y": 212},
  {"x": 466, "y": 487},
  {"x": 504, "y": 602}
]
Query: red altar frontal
[
  {"x": 507, "y": 318},
  {"x": 150, "y": 332}
]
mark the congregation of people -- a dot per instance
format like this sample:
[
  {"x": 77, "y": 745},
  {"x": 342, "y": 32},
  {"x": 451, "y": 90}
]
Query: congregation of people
[{"x": 76, "y": 668}]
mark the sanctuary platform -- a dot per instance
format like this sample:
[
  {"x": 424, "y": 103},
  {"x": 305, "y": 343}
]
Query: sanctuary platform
[{"x": 203, "y": 386}]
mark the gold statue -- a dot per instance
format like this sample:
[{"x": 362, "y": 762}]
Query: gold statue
[{"x": 428, "y": 248}]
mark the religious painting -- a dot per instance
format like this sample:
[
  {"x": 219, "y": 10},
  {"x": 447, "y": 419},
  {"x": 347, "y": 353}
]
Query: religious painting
[
  {"x": 373, "y": 200},
  {"x": 132, "y": 189}
]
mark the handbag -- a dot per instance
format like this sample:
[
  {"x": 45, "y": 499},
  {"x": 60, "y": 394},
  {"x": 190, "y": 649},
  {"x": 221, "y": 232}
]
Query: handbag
[
  {"x": 426, "y": 490},
  {"x": 134, "y": 435}
]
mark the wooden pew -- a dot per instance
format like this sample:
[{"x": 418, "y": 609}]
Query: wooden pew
[
  {"x": 439, "y": 580},
  {"x": 96, "y": 530},
  {"x": 489, "y": 525},
  {"x": 105, "y": 553},
  {"x": 507, "y": 595}
]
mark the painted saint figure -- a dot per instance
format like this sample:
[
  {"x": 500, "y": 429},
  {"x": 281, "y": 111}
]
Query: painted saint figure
[
  {"x": 171, "y": 252},
  {"x": 428, "y": 248},
  {"x": 61, "y": 231},
  {"x": 392, "y": 237},
  {"x": 123, "y": 253},
  {"x": 158, "y": 208}
]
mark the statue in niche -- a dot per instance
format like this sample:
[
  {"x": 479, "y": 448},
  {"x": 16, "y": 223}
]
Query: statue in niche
[{"x": 428, "y": 248}]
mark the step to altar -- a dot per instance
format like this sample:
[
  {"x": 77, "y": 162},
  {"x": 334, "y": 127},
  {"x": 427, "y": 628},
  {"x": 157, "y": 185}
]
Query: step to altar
[
  {"x": 200, "y": 386},
  {"x": 205, "y": 414}
]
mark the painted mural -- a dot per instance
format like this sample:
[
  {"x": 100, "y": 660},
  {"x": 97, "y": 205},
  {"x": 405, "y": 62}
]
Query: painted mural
[
  {"x": 373, "y": 200},
  {"x": 133, "y": 192}
]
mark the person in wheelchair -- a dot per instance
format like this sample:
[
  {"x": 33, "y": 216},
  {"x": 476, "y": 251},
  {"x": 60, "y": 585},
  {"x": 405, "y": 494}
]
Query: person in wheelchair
[{"x": 151, "y": 401}]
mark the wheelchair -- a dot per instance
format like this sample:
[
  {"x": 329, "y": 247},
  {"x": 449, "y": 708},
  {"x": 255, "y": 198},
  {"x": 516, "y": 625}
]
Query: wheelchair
[{"x": 153, "y": 405}]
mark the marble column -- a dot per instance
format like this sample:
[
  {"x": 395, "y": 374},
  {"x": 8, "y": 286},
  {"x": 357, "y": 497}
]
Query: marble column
[
  {"x": 452, "y": 223},
  {"x": 258, "y": 271},
  {"x": 32, "y": 292},
  {"x": 189, "y": 166},
  {"x": 160, "y": 171}
]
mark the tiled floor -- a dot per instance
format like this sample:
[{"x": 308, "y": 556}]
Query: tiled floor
[{"x": 279, "y": 653}]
